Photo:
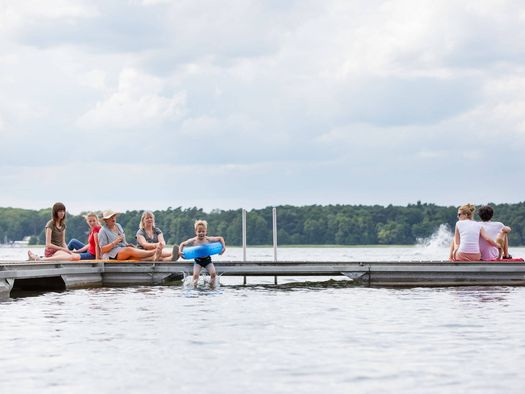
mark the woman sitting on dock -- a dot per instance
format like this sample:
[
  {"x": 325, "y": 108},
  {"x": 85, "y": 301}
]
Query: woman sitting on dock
[
  {"x": 90, "y": 251},
  {"x": 465, "y": 246},
  {"x": 150, "y": 237},
  {"x": 56, "y": 248},
  {"x": 113, "y": 245}
]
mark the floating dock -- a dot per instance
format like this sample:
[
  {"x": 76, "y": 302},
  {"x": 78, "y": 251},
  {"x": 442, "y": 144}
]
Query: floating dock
[{"x": 51, "y": 276}]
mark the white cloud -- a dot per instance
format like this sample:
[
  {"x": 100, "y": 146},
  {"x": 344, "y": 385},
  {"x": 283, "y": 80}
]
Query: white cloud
[
  {"x": 137, "y": 101},
  {"x": 20, "y": 14},
  {"x": 277, "y": 102},
  {"x": 95, "y": 79}
]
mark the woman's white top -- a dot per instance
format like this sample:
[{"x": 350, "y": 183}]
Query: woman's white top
[{"x": 468, "y": 236}]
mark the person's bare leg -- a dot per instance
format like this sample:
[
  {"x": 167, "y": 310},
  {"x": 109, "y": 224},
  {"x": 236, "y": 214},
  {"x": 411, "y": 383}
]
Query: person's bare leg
[
  {"x": 130, "y": 253},
  {"x": 158, "y": 253},
  {"x": 506, "y": 247},
  {"x": 165, "y": 255},
  {"x": 62, "y": 256},
  {"x": 452, "y": 248},
  {"x": 196, "y": 273},
  {"x": 503, "y": 240},
  {"x": 213, "y": 274}
]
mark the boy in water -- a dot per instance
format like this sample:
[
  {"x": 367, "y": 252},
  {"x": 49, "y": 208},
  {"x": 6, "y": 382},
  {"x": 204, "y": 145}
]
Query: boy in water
[{"x": 201, "y": 238}]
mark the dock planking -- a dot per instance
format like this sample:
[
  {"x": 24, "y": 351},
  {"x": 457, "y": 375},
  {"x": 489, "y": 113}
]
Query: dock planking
[{"x": 50, "y": 276}]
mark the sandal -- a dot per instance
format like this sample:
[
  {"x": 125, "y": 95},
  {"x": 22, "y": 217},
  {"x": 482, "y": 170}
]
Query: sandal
[{"x": 175, "y": 253}]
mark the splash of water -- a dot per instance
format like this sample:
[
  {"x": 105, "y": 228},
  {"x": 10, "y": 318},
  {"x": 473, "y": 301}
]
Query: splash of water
[
  {"x": 441, "y": 238},
  {"x": 204, "y": 282}
]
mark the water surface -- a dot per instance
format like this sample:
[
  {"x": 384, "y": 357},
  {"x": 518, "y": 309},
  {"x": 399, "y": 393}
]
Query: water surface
[{"x": 328, "y": 337}]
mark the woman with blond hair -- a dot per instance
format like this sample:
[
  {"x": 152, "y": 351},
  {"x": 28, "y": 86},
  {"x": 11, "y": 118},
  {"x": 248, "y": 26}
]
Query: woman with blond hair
[
  {"x": 465, "y": 246},
  {"x": 113, "y": 245},
  {"x": 150, "y": 237},
  {"x": 91, "y": 250}
]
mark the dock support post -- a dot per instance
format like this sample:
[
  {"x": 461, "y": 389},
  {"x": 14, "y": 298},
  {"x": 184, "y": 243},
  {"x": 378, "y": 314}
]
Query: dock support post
[
  {"x": 244, "y": 241},
  {"x": 6, "y": 285},
  {"x": 274, "y": 221}
]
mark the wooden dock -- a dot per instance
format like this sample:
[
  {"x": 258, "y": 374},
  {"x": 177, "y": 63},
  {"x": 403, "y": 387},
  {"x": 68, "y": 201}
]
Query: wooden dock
[{"x": 68, "y": 275}]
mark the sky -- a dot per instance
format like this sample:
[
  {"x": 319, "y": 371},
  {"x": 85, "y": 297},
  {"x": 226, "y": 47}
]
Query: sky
[{"x": 150, "y": 104}]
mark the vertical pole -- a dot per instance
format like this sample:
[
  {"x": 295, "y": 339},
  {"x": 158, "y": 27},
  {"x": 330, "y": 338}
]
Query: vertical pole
[
  {"x": 244, "y": 240},
  {"x": 274, "y": 220}
]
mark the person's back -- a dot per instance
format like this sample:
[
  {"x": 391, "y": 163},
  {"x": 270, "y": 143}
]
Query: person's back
[
  {"x": 489, "y": 252},
  {"x": 469, "y": 233},
  {"x": 496, "y": 231}
]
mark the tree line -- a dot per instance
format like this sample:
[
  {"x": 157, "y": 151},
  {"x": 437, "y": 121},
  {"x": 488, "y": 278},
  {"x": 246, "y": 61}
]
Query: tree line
[{"x": 305, "y": 225}]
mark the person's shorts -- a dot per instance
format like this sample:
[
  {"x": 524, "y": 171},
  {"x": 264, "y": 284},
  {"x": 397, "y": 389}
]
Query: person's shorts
[
  {"x": 203, "y": 261},
  {"x": 462, "y": 256},
  {"x": 48, "y": 252}
]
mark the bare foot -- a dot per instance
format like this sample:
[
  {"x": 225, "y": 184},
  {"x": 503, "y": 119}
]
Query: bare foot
[
  {"x": 158, "y": 253},
  {"x": 32, "y": 256}
]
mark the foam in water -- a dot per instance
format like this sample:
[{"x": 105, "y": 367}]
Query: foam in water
[
  {"x": 441, "y": 238},
  {"x": 203, "y": 283}
]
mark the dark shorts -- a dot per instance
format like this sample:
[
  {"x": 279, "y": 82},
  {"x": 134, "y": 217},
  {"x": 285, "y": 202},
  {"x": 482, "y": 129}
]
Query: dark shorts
[{"x": 203, "y": 261}]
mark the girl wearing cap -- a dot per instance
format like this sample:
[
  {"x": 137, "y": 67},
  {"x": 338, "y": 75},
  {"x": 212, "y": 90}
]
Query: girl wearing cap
[
  {"x": 56, "y": 248},
  {"x": 467, "y": 233},
  {"x": 113, "y": 245},
  {"x": 91, "y": 250},
  {"x": 150, "y": 237}
]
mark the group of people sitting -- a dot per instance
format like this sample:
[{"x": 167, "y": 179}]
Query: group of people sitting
[
  {"x": 109, "y": 241},
  {"x": 104, "y": 242},
  {"x": 475, "y": 241}
]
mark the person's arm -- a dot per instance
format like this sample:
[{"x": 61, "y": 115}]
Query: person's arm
[
  {"x": 487, "y": 238},
  {"x": 218, "y": 239},
  {"x": 64, "y": 245},
  {"x": 141, "y": 240},
  {"x": 103, "y": 242},
  {"x": 122, "y": 236},
  {"x": 53, "y": 246},
  {"x": 161, "y": 239},
  {"x": 82, "y": 249},
  {"x": 97, "y": 247},
  {"x": 455, "y": 244},
  {"x": 506, "y": 229},
  {"x": 105, "y": 245},
  {"x": 183, "y": 244}
]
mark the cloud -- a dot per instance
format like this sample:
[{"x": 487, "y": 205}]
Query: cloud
[
  {"x": 136, "y": 102},
  {"x": 267, "y": 102}
]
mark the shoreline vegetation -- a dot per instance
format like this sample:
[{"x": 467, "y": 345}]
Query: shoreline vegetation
[{"x": 304, "y": 226}]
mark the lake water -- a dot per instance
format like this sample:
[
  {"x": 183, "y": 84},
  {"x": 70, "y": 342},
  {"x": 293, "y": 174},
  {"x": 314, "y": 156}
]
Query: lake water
[{"x": 326, "y": 337}]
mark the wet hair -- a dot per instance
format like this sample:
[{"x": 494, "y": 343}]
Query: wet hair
[
  {"x": 201, "y": 223},
  {"x": 144, "y": 214},
  {"x": 58, "y": 206},
  {"x": 467, "y": 210},
  {"x": 485, "y": 213}
]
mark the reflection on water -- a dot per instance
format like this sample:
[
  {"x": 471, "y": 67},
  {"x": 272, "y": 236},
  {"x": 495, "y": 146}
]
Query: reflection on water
[{"x": 298, "y": 336}]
